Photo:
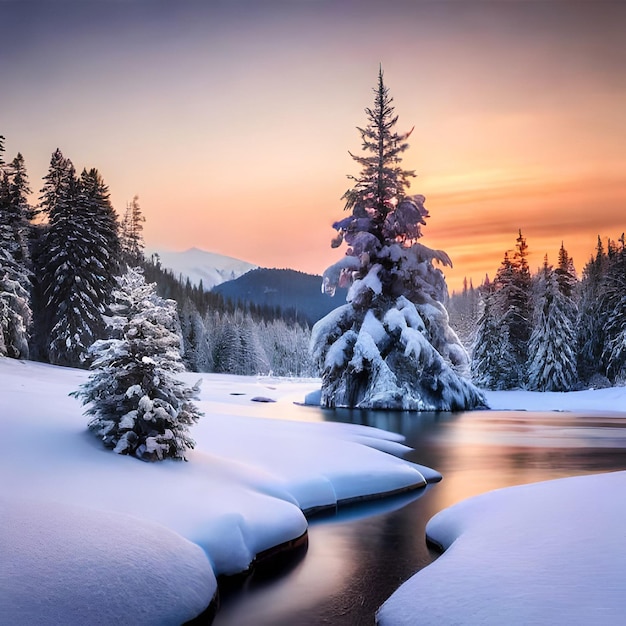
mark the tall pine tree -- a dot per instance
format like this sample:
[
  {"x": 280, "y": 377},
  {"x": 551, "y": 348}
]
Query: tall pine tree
[
  {"x": 519, "y": 305},
  {"x": 512, "y": 306},
  {"x": 79, "y": 261},
  {"x": 391, "y": 345},
  {"x": 592, "y": 317},
  {"x": 613, "y": 305},
  {"x": 15, "y": 285}
]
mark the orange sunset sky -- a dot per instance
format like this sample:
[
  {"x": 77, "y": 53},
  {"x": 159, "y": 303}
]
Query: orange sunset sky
[{"x": 232, "y": 120}]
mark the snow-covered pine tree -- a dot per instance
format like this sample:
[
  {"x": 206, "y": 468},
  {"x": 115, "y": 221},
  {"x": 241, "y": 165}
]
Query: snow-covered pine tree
[
  {"x": 131, "y": 237},
  {"x": 517, "y": 305},
  {"x": 54, "y": 193},
  {"x": 20, "y": 211},
  {"x": 390, "y": 346},
  {"x": 98, "y": 212},
  {"x": 15, "y": 311},
  {"x": 57, "y": 198},
  {"x": 492, "y": 354},
  {"x": 78, "y": 261},
  {"x": 552, "y": 345},
  {"x": 566, "y": 274},
  {"x": 522, "y": 329},
  {"x": 197, "y": 355},
  {"x": 15, "y": 308},
  {"x": 512, "y": 307},
  {"x": 613, "y": 304},
  {"x": 137, "y": 404},
  {"x": 592, "y": 317}
]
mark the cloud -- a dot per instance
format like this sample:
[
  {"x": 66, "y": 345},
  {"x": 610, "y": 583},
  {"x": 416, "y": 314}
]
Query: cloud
[{"x": 476, "y": 225}]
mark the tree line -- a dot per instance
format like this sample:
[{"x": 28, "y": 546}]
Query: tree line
[
  {"x": 547, "y": 331},
  {"x": 60, "y": 261}
]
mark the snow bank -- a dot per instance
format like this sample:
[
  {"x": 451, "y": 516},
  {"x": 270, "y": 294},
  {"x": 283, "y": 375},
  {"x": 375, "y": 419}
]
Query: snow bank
[
  {"x": 243, "y": 490},
  {"x": 547, "y": 553},
  {"x": 610, "y": 399},
  {"x": 65, "y": 564}
]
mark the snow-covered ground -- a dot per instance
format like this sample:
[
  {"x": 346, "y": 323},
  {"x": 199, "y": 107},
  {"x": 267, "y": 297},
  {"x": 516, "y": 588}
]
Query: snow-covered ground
[
  {"x": 590, "y": 400},
  {"x": 545, "y": 553},
  {"x": 88, "y": 536}
]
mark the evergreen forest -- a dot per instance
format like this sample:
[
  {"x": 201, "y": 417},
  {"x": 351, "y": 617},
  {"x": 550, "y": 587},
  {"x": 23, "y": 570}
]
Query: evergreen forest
[
  {"x": 550, "y": 330},
  {"x": 61, "y": 259}
]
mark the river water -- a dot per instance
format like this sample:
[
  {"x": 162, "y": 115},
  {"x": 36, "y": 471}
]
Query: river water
[{"x": 357, "y": 558}]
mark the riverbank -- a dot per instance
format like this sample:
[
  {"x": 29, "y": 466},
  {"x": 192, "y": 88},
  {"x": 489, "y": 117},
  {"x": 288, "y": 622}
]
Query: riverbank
[
  {"x": 242, "y": 493},
  {"x": 543, "y": 553},
  {"x": 547, "y": 552}
]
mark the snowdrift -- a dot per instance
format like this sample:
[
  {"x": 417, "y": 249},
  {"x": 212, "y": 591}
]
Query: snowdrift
[{"x": 82, "y": 527}]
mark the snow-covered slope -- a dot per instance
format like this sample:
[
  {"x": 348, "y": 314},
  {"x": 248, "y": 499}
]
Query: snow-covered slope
[
  {"x": 195, "y": 264},
  {"x": 81, "y": 528},
  {"x": 548, "y": 553}
]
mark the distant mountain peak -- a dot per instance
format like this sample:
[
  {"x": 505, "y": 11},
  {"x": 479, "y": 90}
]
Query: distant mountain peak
[{"x": 200, "y": 265}]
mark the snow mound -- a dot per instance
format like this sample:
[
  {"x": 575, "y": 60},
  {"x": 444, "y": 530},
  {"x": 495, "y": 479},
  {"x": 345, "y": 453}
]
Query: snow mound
[
  {"x": 514, "y": 555},
  {"x": 96, "y": 567},
  {"x": 586, "y": 400},
  {"x": 244, "y": 490}
]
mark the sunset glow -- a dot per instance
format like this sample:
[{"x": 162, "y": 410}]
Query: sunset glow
[{"x": 233, "y": 121}]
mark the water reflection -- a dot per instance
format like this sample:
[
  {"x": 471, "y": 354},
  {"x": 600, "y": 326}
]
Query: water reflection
[
  {"x": 352, "y": 558},
  {"x": 355, "y": 562}
]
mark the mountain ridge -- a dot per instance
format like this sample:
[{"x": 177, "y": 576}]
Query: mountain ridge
[{"x": 296, "y": 293}]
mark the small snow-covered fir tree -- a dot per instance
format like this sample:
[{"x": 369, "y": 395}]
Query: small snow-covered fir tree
[
  {"x": 391, "y": 345},
  {"x": 138, "y": 405},
  {"x": 552, "y": 345}
]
